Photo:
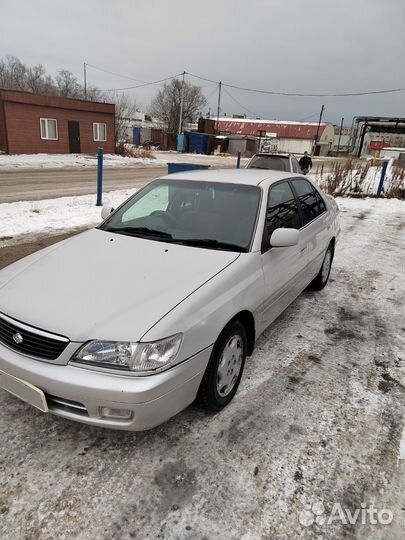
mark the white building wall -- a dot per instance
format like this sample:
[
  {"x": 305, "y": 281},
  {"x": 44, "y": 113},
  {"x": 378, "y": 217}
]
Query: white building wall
[
  {"x": 237, "y": 145},
  {"x": 294, "y": 146},
  {"x": 328, "y": 135},
  {"x": 344, "y": 141}
]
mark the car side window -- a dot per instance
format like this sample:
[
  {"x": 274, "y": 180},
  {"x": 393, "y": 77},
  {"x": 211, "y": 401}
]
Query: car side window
[
  {"x": 311, "y": 202},
  {"x": 282, "y": 209},
  {"x": 295, "y": 165}
]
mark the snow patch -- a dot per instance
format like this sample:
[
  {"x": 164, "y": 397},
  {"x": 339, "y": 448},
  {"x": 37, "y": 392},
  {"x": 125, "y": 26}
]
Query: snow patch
[
  {"x": 60, "y": 161},
  {"x": 33, "y": 217}
]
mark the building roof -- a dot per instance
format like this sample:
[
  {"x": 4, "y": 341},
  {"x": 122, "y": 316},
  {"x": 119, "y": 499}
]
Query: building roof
[
  {"x": 250, "y": 177},
  {"x": 284, "y": 130},
  {"x": 59, "y": 102}
]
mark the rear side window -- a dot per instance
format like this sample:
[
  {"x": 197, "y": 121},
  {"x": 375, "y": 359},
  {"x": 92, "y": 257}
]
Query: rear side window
[
  {"x": 311, "y": 202},
  {"x": 282, "y": 208},
  {"x": 274, "y": 163}
]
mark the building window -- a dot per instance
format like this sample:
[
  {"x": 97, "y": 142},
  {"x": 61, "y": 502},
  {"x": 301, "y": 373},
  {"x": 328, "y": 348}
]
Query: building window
[
  {"x": 49, "y": 129},
  {"x": 99, "y": 132}
]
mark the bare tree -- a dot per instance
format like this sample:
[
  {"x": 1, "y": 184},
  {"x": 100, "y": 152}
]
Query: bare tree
[
  {"x": 125, "y": 108},
  {"x": 167, "y": 103},
  {"x": 95, "y": 94},
  {"x": 68, "y": 84},
  {"x": 38, "y": 82},
  {"x": 14, "y": 75}
]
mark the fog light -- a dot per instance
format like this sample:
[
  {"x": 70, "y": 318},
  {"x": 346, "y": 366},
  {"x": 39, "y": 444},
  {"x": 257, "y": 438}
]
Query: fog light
[{"x": 118, "y": 414}]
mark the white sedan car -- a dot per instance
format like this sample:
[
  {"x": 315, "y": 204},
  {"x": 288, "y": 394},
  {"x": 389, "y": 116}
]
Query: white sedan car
[{"x": 125, "y": 325}]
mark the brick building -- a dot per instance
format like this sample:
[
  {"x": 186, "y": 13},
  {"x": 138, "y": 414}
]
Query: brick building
[{"x": 32, "y": 124}]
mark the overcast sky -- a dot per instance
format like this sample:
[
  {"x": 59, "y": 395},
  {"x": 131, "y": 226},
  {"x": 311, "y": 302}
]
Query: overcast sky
[{"x": 313, "y": 46}]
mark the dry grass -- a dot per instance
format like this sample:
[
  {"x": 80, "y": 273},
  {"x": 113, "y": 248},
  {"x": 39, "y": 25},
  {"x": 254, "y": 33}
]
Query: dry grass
[
  {"x": 397, "y": 187},
  {"x": 351, "y": 178},
  {"x": 344, "y": 177},
  {"x": 145, "y": 153},
  {"x": 127, "y": 150}
]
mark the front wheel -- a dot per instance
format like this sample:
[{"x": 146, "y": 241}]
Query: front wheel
[
  {"x": 225, "y": 368},
  {"x": 323, "y": 275}
]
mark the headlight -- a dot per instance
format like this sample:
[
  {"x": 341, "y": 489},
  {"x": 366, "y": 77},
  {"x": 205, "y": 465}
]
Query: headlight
[{"x": 136, "y": 357}]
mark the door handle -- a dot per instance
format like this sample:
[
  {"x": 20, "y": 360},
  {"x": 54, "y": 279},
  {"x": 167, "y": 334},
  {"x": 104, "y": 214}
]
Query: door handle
[{"x": 303, "y": 249}]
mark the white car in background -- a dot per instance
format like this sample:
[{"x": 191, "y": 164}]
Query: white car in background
[
  {"x": 125, "y": 325},
  {"x": 275, "y": 162}
]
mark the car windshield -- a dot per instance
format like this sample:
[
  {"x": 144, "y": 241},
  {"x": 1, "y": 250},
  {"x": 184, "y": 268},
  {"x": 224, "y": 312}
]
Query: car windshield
[
  {"x": 275, "y": 163},
  {"x": 204, "y": 214}
]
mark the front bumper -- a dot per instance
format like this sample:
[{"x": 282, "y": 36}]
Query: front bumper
[{"x": 151, "y": 399}]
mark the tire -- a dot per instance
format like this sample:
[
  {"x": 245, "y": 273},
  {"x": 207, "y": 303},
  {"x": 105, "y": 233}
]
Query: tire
[
  {"x": 323, "y": 275},
  {"x": 225, "y": 367}
]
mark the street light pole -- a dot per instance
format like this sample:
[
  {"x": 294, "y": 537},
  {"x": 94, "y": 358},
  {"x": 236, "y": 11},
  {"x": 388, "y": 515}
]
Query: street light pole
[
  {"x": 219, "y": 104},
  {"x": 181, "y": 104},
  {"x": 317, "y": 130},
  {"x": 340, "y": 134},
  {"x": 85, "y": 80}
]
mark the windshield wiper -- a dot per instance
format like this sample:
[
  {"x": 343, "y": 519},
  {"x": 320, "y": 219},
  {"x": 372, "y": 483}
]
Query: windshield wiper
[
  {"x": 210, "y": 243},
  {"x": 140, "y": 231}
]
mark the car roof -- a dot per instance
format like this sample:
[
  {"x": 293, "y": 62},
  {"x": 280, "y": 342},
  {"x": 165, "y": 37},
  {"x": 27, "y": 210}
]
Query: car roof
[
  {"x": 248, "y": 177},
  {"x": 273, "y": 154}
]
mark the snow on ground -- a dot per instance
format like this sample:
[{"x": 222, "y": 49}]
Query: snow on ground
[
  {"x": 34, "y": 217},
  {"x": 319, "y": 418},
  {"x": 57, "y": 161}
]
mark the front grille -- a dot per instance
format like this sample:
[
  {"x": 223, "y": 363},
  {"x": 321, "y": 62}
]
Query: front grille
[
  {"x": 34, "y": 342},
  {"x": 62, "y": 404}
]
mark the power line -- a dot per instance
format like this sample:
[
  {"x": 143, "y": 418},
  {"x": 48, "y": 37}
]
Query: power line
[
  {"x": 202, "y": 78},
  {"x": 214, "y": 91},
  {"x": 309, "y": 117},
  {"x": 240, "y": 104},
  {"x": 296, "y": 94},
  {"x": 145, "y": 84},
  {"x": 291, "y": 94},
  {"x": 116, "y": 74},
  {"x": 245, "y": 89}
]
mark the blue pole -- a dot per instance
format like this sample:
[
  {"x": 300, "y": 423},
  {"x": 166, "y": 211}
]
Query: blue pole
[
  {"x": 238, "y": 161},
  {"x": 99, "y": 177},
  {"x": 382, "y": 178}
]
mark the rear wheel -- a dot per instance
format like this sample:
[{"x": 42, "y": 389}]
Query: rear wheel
[
  {"x": 323, "y": 276},
  {"x": 225, "y": 368}
]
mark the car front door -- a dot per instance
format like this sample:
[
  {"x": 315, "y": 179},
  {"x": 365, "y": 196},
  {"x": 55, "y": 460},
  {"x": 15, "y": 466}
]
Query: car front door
[
  {"x": 284, "y": 268},
  {"x": 316, "y": 224}
]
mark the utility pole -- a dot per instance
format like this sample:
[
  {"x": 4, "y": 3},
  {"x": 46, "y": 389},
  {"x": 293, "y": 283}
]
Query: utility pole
[
  {"x": 85, "y": 80},
  {"x": 340, "y": 134},
  {"x": 219, "y": 104},
  {"x": 181, "y": 104},
  {"x": 317, "y": 130}
]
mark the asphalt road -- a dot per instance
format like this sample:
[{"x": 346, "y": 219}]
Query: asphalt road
[
  {"x": 37, "y": 184},
  {"x": 33, "y": 185}
]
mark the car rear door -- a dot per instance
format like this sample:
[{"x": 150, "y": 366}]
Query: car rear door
[
  {"x": 284, "y": 268},
  {"x": 316, "y": 224}
]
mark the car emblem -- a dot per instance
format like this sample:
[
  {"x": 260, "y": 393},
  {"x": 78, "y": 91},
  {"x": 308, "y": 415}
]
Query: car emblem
[{"x": 18, "y": 338}]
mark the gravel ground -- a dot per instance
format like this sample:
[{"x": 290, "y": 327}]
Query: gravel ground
[{"x": 319, "y": 418}]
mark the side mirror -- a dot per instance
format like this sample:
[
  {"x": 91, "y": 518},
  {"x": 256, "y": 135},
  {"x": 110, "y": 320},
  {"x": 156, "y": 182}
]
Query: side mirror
[
  {"x": 284, "y": 237},
  {"x": 106, "y": 211}
]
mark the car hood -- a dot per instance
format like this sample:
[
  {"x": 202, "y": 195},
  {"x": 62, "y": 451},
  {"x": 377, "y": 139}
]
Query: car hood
[{"x": 100, "y": 285}]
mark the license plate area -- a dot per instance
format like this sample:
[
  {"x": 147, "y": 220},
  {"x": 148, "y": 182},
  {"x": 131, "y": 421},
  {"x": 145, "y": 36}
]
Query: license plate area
[{"x": 24, "y": 390}]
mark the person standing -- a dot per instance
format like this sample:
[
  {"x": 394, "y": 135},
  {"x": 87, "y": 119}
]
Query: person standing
[{"x": 305, "y": 163}]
